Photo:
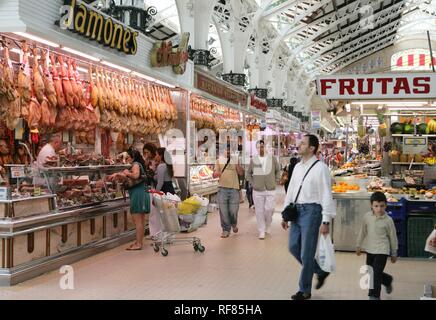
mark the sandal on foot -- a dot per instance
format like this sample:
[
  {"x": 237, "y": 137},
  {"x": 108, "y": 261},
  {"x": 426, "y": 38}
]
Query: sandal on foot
[{"x": 133, "y": 247}]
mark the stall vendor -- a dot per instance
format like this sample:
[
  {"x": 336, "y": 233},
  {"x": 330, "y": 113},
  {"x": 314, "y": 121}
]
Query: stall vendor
[{"x": 48, "y": 152}]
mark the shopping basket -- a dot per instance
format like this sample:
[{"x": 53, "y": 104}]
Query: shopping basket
[{"x": 167, "y": 209}]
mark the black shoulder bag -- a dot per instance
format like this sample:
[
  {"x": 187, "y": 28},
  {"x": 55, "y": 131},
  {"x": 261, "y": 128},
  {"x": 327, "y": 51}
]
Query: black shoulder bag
[
  {"x": 290, "y": 212},
  {"x": 228, "y": 160}
]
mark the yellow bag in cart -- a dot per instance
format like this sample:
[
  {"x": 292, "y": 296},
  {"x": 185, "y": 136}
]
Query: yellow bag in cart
[{"x": 190, "y": 205}]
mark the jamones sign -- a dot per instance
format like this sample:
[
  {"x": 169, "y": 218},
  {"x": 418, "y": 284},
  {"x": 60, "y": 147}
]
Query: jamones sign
[{"x": 378, "y": 86}]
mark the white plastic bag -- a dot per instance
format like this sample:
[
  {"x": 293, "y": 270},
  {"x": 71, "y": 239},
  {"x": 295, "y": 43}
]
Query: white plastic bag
[
  {"x": 325, "y": 254},
  {"x": 428, "y": 247}
]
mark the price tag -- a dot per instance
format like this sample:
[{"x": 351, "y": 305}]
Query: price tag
[
  {"x": 36, "y": 191},
  {"x": 17, "y": 172},
  {"x": 19, "y": 130},
  {"x": 415, "y": 145}
]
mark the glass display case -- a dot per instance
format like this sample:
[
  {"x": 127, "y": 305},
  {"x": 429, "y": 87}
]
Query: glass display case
[
  {"x": 201, "y": 180},
  {"x": 20, "y": 197},
  {"x": 83, "y": 185}
]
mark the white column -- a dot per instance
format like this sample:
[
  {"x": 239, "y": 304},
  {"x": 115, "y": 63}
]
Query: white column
[
  {"x": 234, "y": 42},
  {"x": 186, "y": 18},
  {"x": 202, "y": 12}
]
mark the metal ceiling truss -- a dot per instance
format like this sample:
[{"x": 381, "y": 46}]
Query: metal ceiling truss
[
  {"x": 313, "y": 7},
  {"x": 387, "y": 30},
  {"x": 347, "y": 34},
  {"x": 383, "y": 15},
  {"x": 279, "y": 9},
  {"x": 380, "y": 16},
  {"x": 323, "y": 24},
  {"x": 341, "y": 51},
  {"x": 336, "y": 58},
  {"x": 357, "y": 55},
  {"x": 330, "y": 20}
]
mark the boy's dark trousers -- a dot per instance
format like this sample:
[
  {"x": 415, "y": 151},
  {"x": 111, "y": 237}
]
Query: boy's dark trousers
[{"x": 378, "y": 263}]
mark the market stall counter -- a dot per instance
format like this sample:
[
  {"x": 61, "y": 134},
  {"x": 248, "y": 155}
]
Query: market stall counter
[
  {"x": 77, "y": 225},
  {"x": 414, "y": 215}
]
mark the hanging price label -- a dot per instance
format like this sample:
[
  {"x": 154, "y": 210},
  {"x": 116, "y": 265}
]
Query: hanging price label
[
  {"x": 17, "y": 172},
  {"x": 36, "y": 191}
]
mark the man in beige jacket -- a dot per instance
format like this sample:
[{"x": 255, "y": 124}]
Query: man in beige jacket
[{"x": 263, "y": 173}]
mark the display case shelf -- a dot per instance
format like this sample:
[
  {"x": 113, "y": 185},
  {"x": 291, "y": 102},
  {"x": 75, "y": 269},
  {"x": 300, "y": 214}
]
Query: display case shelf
[
  {"x": 83, "y": 169},
  {"x": 92, "y": 190},
  {"x": 408, "y": 163},
  {"x": 415, "y": 135}
]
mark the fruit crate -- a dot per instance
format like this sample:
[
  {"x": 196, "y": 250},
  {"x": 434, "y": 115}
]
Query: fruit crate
[
  {"x": 418, "y": 230},
  {"x": 421, "y": 207},
  {"x": 401, "y": 228}
]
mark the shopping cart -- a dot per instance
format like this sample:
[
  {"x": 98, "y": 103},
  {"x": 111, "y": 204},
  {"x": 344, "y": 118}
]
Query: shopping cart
[{"x": 167, "y": 210}]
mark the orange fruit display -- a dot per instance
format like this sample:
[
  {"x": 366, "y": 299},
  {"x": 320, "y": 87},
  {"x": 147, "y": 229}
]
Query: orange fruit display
[{"x": 344, "y": 187}]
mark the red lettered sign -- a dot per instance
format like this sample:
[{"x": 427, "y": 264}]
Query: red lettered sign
[{"x": 378, "y": 86}]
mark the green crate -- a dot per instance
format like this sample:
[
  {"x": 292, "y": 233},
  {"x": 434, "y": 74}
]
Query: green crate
[{"x": 418, "y": 230}]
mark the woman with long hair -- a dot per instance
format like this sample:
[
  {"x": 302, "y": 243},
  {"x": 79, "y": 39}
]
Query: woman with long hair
[
  {"x": 139, "y": 203},
  {"x": 149, "y": 154},
  {"x": 164, "y": 171}
]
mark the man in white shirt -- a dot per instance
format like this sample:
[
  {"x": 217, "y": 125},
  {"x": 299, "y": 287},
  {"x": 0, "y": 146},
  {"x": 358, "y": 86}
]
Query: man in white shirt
[
  {"x": 315, "y": 209},
  {"x": 49, "y": 150}
]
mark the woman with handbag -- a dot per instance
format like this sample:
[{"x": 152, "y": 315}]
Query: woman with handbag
[
  {"x": 228, "y": 170},
  {"x": 164, "y": 172},
  {"x": 139, "y": 199}
]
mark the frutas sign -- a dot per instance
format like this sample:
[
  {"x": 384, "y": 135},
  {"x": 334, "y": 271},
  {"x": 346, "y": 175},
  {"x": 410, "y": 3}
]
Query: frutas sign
[
  {"x": 377, "y": 86},
  {"x": 95, "y": 26}
]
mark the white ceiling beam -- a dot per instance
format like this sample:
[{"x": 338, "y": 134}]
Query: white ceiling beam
[
  {"x": 334, "y": 45},
  {"x": 278, "y": 9},
  {"x": 380, "y": 16},
  {"x": 390, "y": 11},
  {"x": 361, "y": 53},
  {"x": 342, "y": 14},
  {"x": 360, "y": 42},
  {"x": 314, "y": 6}
]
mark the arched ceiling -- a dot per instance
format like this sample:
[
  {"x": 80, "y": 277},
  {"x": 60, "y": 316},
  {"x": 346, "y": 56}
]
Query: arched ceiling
[
  {"x": 326, "y": 35},
  {"x": 322, "y": 36}
]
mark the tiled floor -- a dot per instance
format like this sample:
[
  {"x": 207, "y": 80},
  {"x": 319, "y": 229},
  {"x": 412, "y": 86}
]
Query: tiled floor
[{"x": 239, "y": 267}]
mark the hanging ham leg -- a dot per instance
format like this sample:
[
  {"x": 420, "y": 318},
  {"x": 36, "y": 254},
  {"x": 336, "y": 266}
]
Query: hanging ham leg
[
  {"x": 49, "y": 88},
  {"x": 57, "y": 82},
  {"x": 66, "y": 85},
  {"x": 38, "y": 83},
  {"x": 94, "y": 89},
  {"x": 74, "y": 89},
  {"x": 80, "y": 87},
  {"x": 10, "y": 99},
  {"x": 101, "y": 90},
  {"x": 46, "y": 116},
  {"x": 109, "y": 94},
  {"x": 24, "y": 82},
  {"x": 34, "y": 113}
]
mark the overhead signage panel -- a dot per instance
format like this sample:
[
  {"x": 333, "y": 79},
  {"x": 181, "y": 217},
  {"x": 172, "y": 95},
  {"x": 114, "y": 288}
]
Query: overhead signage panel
[{"x": 378, "y": 86}]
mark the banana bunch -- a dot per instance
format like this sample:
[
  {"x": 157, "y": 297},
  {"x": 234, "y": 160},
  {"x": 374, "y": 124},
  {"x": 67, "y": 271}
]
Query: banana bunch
[
  {"x": 430, "y": 161},
  {"x": 431, "y": 126}
]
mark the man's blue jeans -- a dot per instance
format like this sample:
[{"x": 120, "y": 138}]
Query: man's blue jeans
[
  {"x": 228, "y": 201},
  {"x": 303, "y": 240}
]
